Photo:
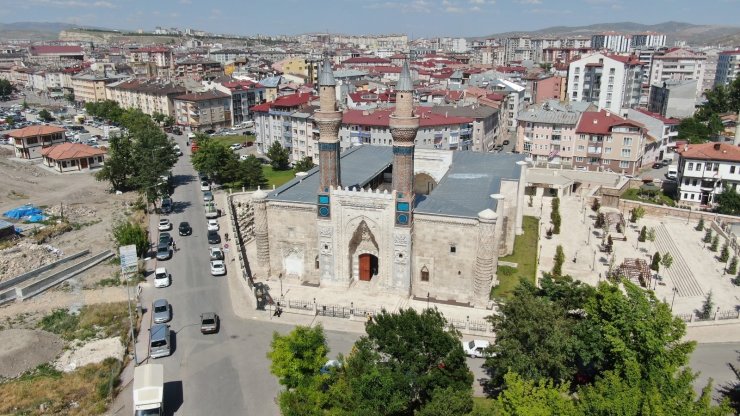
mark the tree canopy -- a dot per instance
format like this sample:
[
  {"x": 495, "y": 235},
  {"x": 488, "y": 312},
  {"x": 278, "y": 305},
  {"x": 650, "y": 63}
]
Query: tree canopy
[
  {"x": 706, "y": 122},
  {"x": 728, "y": 202},
  {"x": 215, "y": 159},
  {"x": 304, "y": 165},
  {"x": 279, "y": 156},
  {"x": 6, "y": 88}
]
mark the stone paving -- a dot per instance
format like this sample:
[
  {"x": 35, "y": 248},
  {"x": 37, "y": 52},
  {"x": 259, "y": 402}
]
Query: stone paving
[{"x": 695, "y": 271}]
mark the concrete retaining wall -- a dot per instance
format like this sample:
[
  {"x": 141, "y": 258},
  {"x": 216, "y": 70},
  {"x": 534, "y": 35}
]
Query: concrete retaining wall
[
  {"x": 35, "y": 272},
  {"x": 8, "y": 296},
  {"x": 62, "y": 275}
]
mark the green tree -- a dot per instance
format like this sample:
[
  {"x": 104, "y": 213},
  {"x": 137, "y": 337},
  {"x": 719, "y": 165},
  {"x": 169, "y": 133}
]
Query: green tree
[
  {"x": 636, "y": 213},
  {"x": 650, "y": 235},
  {"x": 521, "y": 396},
  {"x": 390, "y": 372},
  {"x": 595, "y": 205},
  {"x": 296, "y": 359},
  {"x": 715, "y": 243},
  {"x": 279, "y": 156},
  {"x": 707, "y": 236},
  {"x": 448, "y": 401},
  {"x": 251, "y": 174},
  {"x": 158, "y": 117},
  {"x": 728, "y": 202},
  {"x": 25, "y": 105},
  {"x": 215, "y": 159},
  {"x": 9, "y": 120},
  {"x": 655, "y": 264},
  {"x": 45, "y": 115},
  {"x": 707, "y": 307},
  {"x": 127, "y": 232},
  {"x": 643, "y": 234},
  {"x": 70, "y": 97},
  {"x": 557, "y": 268},
  {"x": 555, "y": 215},
  {"x": 696, "y": 131},
  {"x": 724, "y": 253},
  {"x": 119, "y": 166},
  {"x": 169, "y": 121},
  {"x": 666, "y": 260},
  {"x": 732, "y": 268},
  {"x": 304, "y": 165},
  {"x": 700, "y": 225},
  {"x": 6, "y": 88}
]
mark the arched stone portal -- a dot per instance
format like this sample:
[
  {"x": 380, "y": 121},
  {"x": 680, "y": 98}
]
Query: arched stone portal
[
  {"x": 363, "y": 254},
  {"x": 423, "y": 184}
]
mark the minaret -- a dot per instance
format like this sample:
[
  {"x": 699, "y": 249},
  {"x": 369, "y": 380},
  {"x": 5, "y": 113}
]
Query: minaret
[
  {"x": 404, "y": 124},
  {"x": 329, "y": 120}
]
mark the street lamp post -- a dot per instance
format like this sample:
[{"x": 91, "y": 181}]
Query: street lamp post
[
  {"x": 593, "y": 265},
  {"x": 674, "y": 297},
  {"x": 427, "y": 300},
  {"x": 129, "y": 265}
]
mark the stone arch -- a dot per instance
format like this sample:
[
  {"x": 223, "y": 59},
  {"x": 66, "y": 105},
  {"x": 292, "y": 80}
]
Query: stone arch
[
  {"x": 424, "y": 183},
  {"x": 424, "y": 274},
  {"x": 363, "y": 242}
]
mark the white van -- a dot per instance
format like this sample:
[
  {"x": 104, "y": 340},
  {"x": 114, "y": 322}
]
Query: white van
[{"x": 672, "y": 172}]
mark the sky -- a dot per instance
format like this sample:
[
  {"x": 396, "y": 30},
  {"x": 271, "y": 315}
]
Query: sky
[{"x": 416, "y": 18}]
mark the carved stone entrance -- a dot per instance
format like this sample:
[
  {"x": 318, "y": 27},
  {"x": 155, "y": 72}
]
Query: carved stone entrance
[{"x": 363, "y": 254}]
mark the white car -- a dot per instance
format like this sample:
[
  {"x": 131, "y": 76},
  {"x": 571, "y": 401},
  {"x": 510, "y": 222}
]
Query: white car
[
  {"x": 213, "y": 225},
  {"x": 476, "y": 348},
  {"x": 161, "y": 277},
  {"x": 243, "y": 157},
  {"x": 218, "y": 268},
  {"x": 164, "y": 224},
  {"x": 205, "y": 186},
  {"x": 215, "y": 253},
  {"x": 235, "y": 146}
]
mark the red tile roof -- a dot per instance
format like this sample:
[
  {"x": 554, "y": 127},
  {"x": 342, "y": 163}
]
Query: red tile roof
[
  {"x": 202, "y": 96},
  {"x": 386, "y": 69},
  {"x": 33, "y": 131},
  {"x": 735, "y": 52},
  {"x": 66, "y": 151},
  {"x": 52, "y": 49},
  {"x": 601, "y": 122},
  {"x": 710, "y": 151},
  {"x": 367, "y": 60},
  {"x": 292, "y": 100},
  {"x": 381, "y": 118},
  {"x": 629, "y": 60},
  {"x": 151, "y": 49}
]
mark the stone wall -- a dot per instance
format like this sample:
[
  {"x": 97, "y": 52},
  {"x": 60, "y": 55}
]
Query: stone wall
[
  {"x": 450, "y": 274},
  {"x": 292, "y": 234},
  {"x": 510, "y": 191}
]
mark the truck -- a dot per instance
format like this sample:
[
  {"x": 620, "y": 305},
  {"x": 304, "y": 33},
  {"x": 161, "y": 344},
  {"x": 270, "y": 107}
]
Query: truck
[
  {"x": 211, "y": 210},
  {"x": 149, "y": 390}
]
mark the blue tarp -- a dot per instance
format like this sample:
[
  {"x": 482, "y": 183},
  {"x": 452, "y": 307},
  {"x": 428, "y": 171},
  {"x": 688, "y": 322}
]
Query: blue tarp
[
  {"x": 35, "y": 218},
  {"x": 24, "y": 211}
]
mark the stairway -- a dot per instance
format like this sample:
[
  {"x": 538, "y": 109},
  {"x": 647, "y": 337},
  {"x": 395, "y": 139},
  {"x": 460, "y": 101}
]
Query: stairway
[{"x": 679, "y": 272}]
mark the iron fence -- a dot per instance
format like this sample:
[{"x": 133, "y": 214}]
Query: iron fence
[
  {"x": 729, "y": 314},
  {"x": 480, "y": 326},
  {"x": 457, "y": 323},
  {"x": 364, "y": 312},
  {"x": 297, "y": 304},
  {"x": 686, "y": 317},
  {"x": 334, "y": 311}
]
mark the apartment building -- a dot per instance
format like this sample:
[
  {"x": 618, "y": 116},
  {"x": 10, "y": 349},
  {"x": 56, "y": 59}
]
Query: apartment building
[
  {"x": 485, "y": 128},
  {"x": 612, "y": 41},
  {"x": 678, "y": 64},
  {"x": 518, "y": 49},
  {"x": 198, "y": 69},
  {"x": 663, "y": 129},
  {"x": 728, "y": 67},
  {"x": 89, "y": 88},
  {"x": 704, "y": 170},
  {"x": 154, "y": 61},
  {"x": 612, "y": 82},
  {"x": 244, "y": 95},
  {"x": 274, "y": 122},
  {"x": 225, "y": 56},
  {"x": 55, "y": 53},
  {"x": 149, "y": 96},
  {"x": 547, "y": 132},
  {"x": 202, "y": 111},
  {"x": 607, "y": 142},
  {"x": 673, "y": 98},
  {"x": 648, "y": 39}
]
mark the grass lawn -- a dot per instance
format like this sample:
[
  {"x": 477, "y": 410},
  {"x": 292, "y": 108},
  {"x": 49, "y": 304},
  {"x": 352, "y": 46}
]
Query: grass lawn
[
  {"x": 229, "y": 140},
  {"x": 277, "y": 177},
  {"x": 525, "y": 249},
  {"x": 481, "y": 404},
  {"x": 655, "y": 198}
]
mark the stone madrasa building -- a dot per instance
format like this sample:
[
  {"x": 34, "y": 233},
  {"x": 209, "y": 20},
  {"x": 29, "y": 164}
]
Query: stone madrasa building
[{"x": 392, "y": 219}]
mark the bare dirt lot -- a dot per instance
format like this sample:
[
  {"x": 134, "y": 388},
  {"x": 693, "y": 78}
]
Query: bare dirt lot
[{"x": 24, "y": 349}]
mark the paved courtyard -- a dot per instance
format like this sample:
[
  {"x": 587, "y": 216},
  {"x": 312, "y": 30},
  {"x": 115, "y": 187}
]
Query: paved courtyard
[{"x": 695, "y": 271}]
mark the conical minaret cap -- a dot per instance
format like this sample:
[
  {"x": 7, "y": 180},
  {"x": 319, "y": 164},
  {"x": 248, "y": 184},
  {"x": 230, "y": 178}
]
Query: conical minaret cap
[
  {"x": 404, "y": 80},
  {"x": 326, "y": 76}
]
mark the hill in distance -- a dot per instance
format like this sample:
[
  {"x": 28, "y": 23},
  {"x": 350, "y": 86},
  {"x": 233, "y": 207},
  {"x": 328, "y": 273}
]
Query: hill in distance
[{"x": 674, "y": 31}]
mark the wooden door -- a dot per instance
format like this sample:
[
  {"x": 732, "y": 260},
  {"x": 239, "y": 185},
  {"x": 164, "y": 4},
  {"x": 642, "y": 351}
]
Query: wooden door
[
  {"x": 365, "y": 267},
  {"x": 83, "y": 163}
]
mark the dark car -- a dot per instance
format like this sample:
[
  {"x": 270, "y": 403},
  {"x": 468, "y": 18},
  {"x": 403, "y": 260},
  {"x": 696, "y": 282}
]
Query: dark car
[
  {"x": 210, "y": 131},
  {"x": 506, "y": 142},
  {"x": 184, "y": 228},
  {"x": 657, "y": 165},
  {"x": 164, "y": 252},
  {"x": 177, "y": 131},
  {"x": 213, "y": 237},
  {"x": 165, "y": 238},
  {"x": 166, "y": 206}
]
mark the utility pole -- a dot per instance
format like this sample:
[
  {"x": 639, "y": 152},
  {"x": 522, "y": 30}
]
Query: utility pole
[{"x": 129, "y": 266}]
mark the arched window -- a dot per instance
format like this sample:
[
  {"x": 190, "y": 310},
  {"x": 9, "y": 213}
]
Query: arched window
[
  {"x": 317, "y": 262},
  {"x": 424, "y": 274}
]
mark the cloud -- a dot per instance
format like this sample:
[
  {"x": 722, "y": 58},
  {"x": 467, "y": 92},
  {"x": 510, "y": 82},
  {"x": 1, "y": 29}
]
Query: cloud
[
  {"x": 76, "y": 3},
  {"x": 549, "y": 11},
  {"x": 530, "y": 1},
  {"x": 416, "y": 6}
]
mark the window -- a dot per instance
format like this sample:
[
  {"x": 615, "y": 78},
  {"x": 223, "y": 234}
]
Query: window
[
  {"x": 607, "y": 150},
  {"x": 685, "y": 195},
  {"x": 316, "y": 262},
  {"x": 453, "y": 248},
  {"x": 686, "y": 181},
  {"x": 698, "y": 166},
  {"x": 693, "y": 183},
  {"x": 581, "y": 148},
  {"x": 732, "y": 169},
  {"x": 628, "y": 141},
  {"x": 691, "y": 166},
  {"x": 626, "y": 152},
  {"x": 579, "y": 159},
  {"x": 692, "y": 196},
  {"x": 716, "y": 167},
  {"x": 424, "y": 274},
  {"x": 624, "y": 164}
]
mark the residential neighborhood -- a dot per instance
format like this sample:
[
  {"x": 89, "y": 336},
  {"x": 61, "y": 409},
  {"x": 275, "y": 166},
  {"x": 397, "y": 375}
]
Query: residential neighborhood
[{"x": 370, "y": 208}]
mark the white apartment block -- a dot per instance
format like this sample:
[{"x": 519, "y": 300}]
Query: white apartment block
[
  {"x": 648, "y": 39},
  {"x": 518, "y": 49},
  {"x": 547, "y": 133},
  {"x": 612, "y": 82},
  {"x": 149, "y": 96},
  {"x": 663, "y": 130},
  {"x": 704, "y": 170},
  {"x": 728, "y": 67},
  {"x": 612, "y": 41},
  {"x": 678, "y": 64}
]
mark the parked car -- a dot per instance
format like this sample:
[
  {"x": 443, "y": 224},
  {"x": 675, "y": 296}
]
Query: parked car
[
  {"x": 166, "y": 207},
  {"x": 506, "y": 142},
  {"x": 177, "y": 150},
  {"x": 207, "y": 196},
  {"x": 184, "y": 228},
  {"x": 672, "y": 172},
  {"x": 214, "y": 238},
  {"x": 205, "y": 186},
  {"x": 215, "y": 253},
  {"x": 210, "y": 131},
  {"x": 213, "y": 225},
  {"x": 476, "y": 348},
  {"x": 209, "y": 323},
  {"x": 165, "y": 238},
  {"x": 161, "y": 311},
  {"x": 667, "y": 162},
  {"x": 235, "y": 146},
  {"x": 657, "y": 165},
  {"x": 164, "y": 252},
  {"x": 243, "y": 157},
  {"x": 218, "y": 268},
  {"x": 164, "y": 224},
  {"x": 162, "y": 278},
  {"x": 177, "y": 131}
]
